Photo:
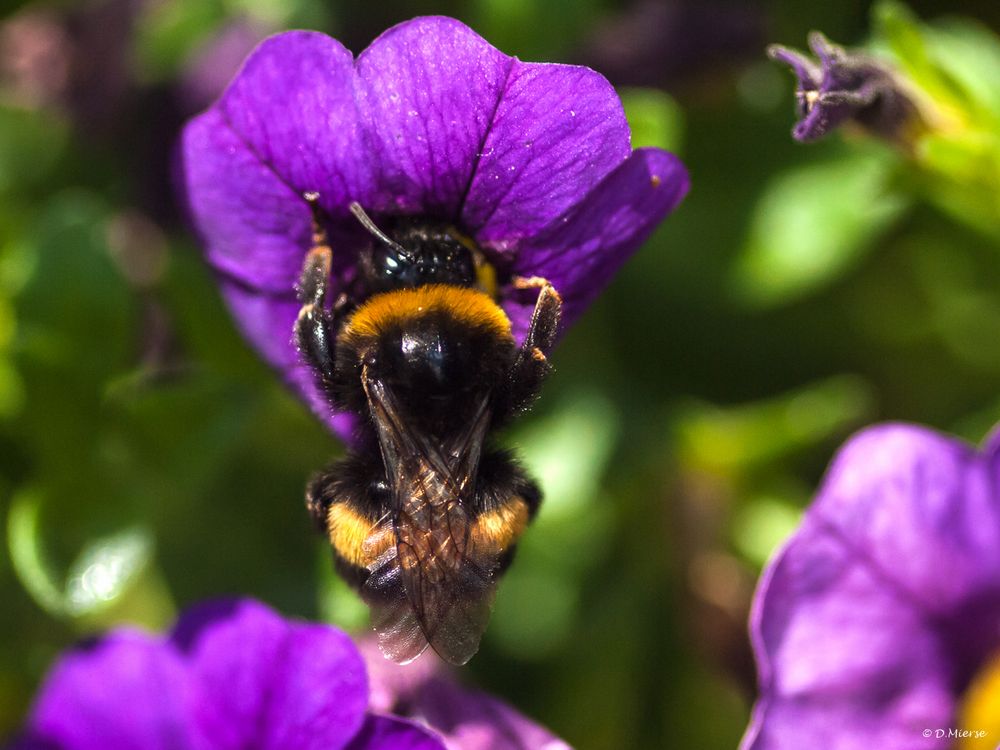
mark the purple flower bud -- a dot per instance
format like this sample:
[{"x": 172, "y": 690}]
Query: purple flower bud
[{"x": 846, "y": 87}]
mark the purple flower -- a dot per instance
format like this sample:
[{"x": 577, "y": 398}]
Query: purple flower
[
  {"x": 531, "y": 161},
  {"x": 468, "y": 719},
  {"x": 236, "y": 675},
  {"x": 846, "y": 86},
  {"x": 871, "y": 624}
]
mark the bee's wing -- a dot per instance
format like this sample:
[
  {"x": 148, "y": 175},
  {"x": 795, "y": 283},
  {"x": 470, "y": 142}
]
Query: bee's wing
[{"x": 431, "y": 587}]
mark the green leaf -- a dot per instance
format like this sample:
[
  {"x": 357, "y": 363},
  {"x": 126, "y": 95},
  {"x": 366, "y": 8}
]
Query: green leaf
[
  {"x": 105, "y": 570},
  {"x": 567, "y": 452},
  {"x": 167, "y": 33},
  {"x": 655, "y": 118},
  {"x": 736, "y": 439},
  {"x": 811, "y": 224},
  {"x": 27, "y": 555},
  {"x": 969, "y": 54},
  {"x": 902, "y": 32},
  {"x": 762, "y": 525},
  {"x": 533, "y": 29},
  {"x": 30, "y": 144},
  {"x": 338, "y": 603}
]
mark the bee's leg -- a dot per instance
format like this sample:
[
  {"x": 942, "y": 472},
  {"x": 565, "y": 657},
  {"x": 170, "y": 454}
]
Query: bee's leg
[
  {"x": 315, "y": 329},
  {"x": 545, "y": 319},
  {"x": 531, "y": 365}
]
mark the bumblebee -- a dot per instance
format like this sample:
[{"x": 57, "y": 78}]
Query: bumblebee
[{"x": 424, "y": 516}]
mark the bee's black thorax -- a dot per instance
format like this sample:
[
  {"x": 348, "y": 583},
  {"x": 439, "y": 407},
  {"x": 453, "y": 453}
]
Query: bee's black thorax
[{"x": 437, "y": 348}]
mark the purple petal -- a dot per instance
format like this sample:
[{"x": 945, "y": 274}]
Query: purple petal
[
  {"x": 431, "y": 119},
  {"x": 429, "y": 87},
  {"x": 30, "y": 741},
  {"x": 861, "y": 626},
  {"x": 580, "y": 251},
  {"x": 391, "y": 684},
  {"x": 233, "y": 647},
  {"x": 468, "y": 719},
  {"x": 128, "y": 691},
  {"x": 471, "y": 720},
  {"x": 393, "y": 733},
  {"x": 557, "y": 131},
  {"x": 809, "y": 74},
  {"x": 844, "y": 661},
  {"x": 318, "y": 693},
  {"x": 266, "y": 683},
  {"x": 923, "y": 510},
  {"x": 829, "y": 54},
  {"x": 293, "y": 107},
  {"x": 255, "y": 227}
]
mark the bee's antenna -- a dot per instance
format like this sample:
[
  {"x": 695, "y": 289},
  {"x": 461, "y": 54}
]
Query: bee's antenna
[{"x": 367, "y": 223}]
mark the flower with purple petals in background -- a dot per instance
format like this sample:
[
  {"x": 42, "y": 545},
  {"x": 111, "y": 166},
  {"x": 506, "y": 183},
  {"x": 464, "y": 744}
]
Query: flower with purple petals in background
[
  {"x": 235, "y": 674},
  {"x": 532, "y": 162},
  {"x": 878, "y": 624},
  {"x": 847, "y": 87}
]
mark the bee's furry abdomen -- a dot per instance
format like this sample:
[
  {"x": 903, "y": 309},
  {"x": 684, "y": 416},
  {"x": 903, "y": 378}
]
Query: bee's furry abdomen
[{"x": 352, "y": 495}]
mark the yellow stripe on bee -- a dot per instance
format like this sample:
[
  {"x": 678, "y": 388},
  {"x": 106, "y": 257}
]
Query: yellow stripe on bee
[
  {"x": 496, "y": 530},
  {"x": 355, "y": 537},
  {"x": 401, "y": 306}
]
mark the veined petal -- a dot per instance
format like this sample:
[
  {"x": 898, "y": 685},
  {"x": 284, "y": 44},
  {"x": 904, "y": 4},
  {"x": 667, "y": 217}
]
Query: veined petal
[
  {"x": 580, "y": 251},
  {"x": 255, "y": 227},
  {"x": 530, "y": 159},
  {"x": 232, "y": 647},
  {"x": 429, "y": 88},
  {"x": 557, "y": 131},
  {"x": 921, "y": 508},
  {"x": 466, "y": 719},
  {"x": 471, "y": 720},
  {"x": 319, "y": 691},
  {"x": 293, "y": 107}
]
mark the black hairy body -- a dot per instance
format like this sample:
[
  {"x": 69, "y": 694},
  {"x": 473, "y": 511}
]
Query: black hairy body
[{"x": 425, "y": 513}]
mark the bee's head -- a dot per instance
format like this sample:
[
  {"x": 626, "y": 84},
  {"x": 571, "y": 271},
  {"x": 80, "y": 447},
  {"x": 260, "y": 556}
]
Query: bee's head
[
  {"x": 412, "y": 253},
  {"x": 424, "y": 255}
]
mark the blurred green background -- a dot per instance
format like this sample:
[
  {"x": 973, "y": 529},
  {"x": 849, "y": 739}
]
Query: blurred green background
[{"x": 149, "y": 460}]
